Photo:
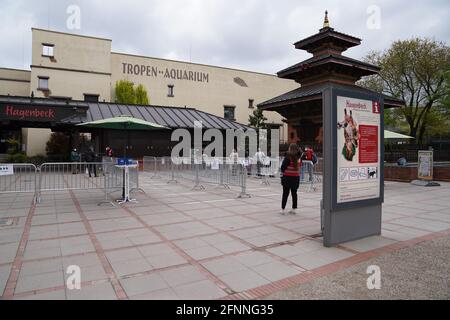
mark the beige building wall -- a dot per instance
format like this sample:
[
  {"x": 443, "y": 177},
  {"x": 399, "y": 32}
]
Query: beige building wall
[
  {"x": 80, "y": 64},
  {"x": 14, "y": 82},
  {"x": 85, "y": 65},
  {"x": 218, "y": 87}
]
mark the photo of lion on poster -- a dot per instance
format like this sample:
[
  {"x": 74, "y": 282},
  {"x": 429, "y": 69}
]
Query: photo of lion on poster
[{"x": 351, "y": 135}]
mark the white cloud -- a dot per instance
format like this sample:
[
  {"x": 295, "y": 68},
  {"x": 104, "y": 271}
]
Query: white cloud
[{"x": 250, "y": 34}]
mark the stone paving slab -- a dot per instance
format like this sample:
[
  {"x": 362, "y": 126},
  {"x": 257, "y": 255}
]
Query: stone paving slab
[{"x": 177, "y": 243}]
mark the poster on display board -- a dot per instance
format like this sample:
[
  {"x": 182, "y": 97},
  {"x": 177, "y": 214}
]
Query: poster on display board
[{"x": 358, "y": 149}]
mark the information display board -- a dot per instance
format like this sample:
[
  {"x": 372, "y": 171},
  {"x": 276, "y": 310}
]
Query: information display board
[
  {"x": 425, "y": 166},
  {"x": 358, "y": 149}
]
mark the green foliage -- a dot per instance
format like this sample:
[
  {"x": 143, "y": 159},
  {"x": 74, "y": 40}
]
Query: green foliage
[
  {"x": 415, "y": 71},
  {"x": 18, "y": 157},
  {"x": 36, "y": 160},
  {"x": 58, "y": 147},
  {"x": 13, "y": 146},
  {"x": 257, "y": 119},
  {"x": 126, "y": 93},
  {"x": 141, "y": 95}
]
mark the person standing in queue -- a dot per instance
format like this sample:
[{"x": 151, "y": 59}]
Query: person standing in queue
[
  {"x": 109, "y": 152},
  {"x": 311, "y": 159},
  {"x": 90, "y": 159},
  {"x": 290, "y": 180},
  {"x": 74, "y": 157}
]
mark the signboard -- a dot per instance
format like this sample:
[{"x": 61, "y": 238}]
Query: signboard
[
  {"x": 425, "y": 167},
  {"x": 166, "y": 73},
  {"x": 358, "y": 150},
  {"x": 6, "y": 169},
  {"x": 35, "y": 113}
]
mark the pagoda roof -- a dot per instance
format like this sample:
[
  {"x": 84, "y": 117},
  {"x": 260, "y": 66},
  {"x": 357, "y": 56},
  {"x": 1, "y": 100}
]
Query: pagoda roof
[
  {"x": 327, "y": 35},
  {"x": 314, "y": 92},
  {"x": 330, "y": 58}
]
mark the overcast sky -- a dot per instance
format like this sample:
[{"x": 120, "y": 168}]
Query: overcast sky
[{"x": 253, "y": 35}]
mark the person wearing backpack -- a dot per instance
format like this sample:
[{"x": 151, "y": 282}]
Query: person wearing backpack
[
  {"x": 309, "y": 155},
  {"x": 290, "y": 180}
]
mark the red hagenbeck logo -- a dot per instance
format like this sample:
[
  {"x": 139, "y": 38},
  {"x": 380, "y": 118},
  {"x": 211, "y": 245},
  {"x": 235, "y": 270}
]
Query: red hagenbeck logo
[{"x": 27, "y": 113}]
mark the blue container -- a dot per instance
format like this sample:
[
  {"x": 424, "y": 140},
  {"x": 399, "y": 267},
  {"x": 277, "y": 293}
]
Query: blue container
[{"x": 124, "y": 161}]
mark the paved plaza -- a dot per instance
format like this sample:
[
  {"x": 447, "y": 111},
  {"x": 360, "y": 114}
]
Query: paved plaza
[{"x": 179, "y": 243}]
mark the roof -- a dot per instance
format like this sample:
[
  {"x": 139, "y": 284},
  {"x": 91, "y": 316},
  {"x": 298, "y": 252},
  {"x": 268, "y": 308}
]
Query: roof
[
  {"x": 314, "y": 92},
  {"x": 325, "y": 33},
  {"x": 327, "y": 58},
  {"x": 70, "y": 34},
  {"x": 172, "y": 117},
  {"x": 43, "y": 101}
]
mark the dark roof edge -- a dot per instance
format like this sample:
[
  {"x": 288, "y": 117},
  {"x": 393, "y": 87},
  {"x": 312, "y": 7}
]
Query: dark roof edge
[
  {"x": 292, "y": 69},
  {"x": 325, "y": 33},
  {"x": 276, "y": 101}
]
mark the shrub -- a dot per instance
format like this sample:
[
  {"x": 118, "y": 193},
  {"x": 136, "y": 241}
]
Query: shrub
[{"x": 19, "y": 157}]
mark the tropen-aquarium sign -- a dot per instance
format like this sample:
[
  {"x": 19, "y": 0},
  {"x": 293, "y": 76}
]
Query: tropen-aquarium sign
[
  {"x": 167, "y": 73},
  {"x": 35, "y": 113}
]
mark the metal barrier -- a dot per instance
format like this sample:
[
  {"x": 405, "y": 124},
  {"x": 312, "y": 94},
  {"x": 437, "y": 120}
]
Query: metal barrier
[
  {"x": 18, "y": 178},
  {"x": 134, "y": 179},
  {"x": 309, "y": 174},
  {"x": 221, "y": 172},
  {"x": 79, "y": 176}
]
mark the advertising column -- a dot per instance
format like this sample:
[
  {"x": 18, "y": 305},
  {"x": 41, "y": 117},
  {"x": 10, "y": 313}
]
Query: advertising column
[{"x": 353, "y": 190}]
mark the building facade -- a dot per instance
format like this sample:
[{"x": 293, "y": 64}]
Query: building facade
[{"x": 76, "y": 67}]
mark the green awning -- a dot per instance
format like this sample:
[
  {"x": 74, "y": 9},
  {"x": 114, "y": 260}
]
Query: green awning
[{"x": 394, "y": 135}]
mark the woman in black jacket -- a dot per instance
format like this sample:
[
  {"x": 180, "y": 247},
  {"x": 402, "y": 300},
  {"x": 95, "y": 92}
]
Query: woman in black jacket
[{"x": 290, "y": 180}]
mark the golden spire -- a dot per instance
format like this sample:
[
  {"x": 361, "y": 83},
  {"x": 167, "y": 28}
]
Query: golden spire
[{"x": 326, "y": 23}]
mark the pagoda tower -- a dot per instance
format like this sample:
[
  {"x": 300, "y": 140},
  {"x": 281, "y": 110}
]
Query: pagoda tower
[{"x": 302, "y": 107}]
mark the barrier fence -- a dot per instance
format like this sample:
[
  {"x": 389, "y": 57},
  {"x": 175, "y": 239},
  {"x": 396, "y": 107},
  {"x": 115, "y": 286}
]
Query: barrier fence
[
  {"x": 226, "y": 172},
  {"x": 18, "y": 178},
  {"x": 218, "y": 172}
]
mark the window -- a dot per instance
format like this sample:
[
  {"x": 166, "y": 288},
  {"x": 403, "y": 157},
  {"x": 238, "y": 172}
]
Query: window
[
  {"x": 43, "y": 83},
  {"x": 170, "y": 93},
  {"x": 47, "y": 50},
  {"x": 91, "y": 97},
  {"x": 251, "y": 103},
  {"x": 228, "y": 112}
]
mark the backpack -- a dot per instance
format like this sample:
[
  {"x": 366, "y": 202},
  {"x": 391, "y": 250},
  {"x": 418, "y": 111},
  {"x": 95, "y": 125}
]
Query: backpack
[{"x": 314, "y": 158}]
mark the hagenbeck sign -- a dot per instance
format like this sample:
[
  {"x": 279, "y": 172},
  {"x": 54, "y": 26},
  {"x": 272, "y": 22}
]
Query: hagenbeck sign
[
  {"x": 34, "y": 113},
  {"x": 167, "y": 73}
]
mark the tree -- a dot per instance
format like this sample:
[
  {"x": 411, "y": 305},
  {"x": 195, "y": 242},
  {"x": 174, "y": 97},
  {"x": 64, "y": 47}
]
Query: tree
[
  {"x": 58, "y": 146},
  {"x": 125, "y": 92},
  {"x": 414, "y": 71},
  {"x": 257, "y": 120},
  {"x": 141, "y": 95}
]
